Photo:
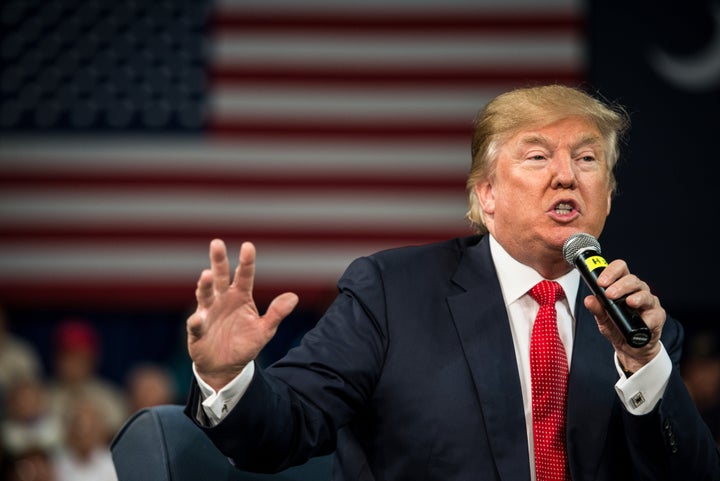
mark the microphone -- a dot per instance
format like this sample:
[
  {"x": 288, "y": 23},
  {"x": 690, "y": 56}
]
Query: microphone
[{"x": 583, "y": 251}]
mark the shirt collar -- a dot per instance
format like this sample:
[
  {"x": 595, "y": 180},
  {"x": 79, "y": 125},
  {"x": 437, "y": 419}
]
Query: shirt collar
[{"x": 516, "y": 279}]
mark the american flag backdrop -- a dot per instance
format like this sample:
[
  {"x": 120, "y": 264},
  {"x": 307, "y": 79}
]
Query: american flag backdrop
[{"x": 132, "y": 133}]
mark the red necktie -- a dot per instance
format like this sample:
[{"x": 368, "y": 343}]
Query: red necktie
[{"x": 549, "y": 374}]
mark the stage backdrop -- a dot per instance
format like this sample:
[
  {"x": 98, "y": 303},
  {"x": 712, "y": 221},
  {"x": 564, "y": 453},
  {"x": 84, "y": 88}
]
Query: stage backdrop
[
  {"x": 662, "y": 60},
  {"x": 132, "y": 133}
]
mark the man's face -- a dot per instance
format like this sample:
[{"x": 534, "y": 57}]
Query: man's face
[{"x": 550, "y": 182}]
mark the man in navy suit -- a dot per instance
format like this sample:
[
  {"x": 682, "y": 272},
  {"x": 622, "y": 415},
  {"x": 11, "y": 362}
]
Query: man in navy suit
[{"x": 420, "y": 369}]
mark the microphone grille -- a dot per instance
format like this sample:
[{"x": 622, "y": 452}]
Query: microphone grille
[{"x": 577, "y": 243}]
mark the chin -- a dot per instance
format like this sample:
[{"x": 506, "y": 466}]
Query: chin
[
  {"x": 561, "y": 234},
  {"x": 557, "y": 238}
]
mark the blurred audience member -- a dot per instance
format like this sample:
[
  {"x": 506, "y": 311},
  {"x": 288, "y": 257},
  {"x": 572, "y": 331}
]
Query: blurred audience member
[
  {"x": 28, "y": 424},
  {"x": 18, "y": 358},
  {"x": 701, "y": 372},
  {"x": 85, "y": 454},
  {"x": 32, "y": 465},
  {"x": 77, "y": 355},
  {"x": 149, "y": 385}
]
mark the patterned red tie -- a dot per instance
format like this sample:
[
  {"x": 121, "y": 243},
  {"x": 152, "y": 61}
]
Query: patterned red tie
[{"x": 549, "y": 374}]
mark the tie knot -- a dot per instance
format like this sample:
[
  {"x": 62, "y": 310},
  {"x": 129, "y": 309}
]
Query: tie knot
[{"x": 547, "y": 292}]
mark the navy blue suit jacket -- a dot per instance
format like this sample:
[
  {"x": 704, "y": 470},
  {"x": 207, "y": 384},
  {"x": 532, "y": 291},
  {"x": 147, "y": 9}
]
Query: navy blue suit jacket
[{"x": 411, "y": 375}]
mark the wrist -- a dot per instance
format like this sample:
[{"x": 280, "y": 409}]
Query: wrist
[
  {"x": 632, "y": 364},
  {"x": 625, "y": 370},
  {"x": 217, "y": 380}
]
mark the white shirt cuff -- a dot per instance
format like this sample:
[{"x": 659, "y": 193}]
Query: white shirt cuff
[
  {"x": 641, "y": 392},
  {"x": 217, "y": 405}
]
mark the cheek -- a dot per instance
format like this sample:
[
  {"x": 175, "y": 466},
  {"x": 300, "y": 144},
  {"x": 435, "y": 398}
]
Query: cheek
[
  {"x": 602, "y": 202},
  {"x": 516, "y": 200},
  {"x": 512, "y": 196}
]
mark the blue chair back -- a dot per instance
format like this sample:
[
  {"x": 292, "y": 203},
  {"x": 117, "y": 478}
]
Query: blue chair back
[{"x": 161, "y": 444}]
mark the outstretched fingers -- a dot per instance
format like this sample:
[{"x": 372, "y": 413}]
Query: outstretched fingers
[
  {"x": 245, "y": 272},
  {"x": 219, "y": 265},
  {"x": 204, "y": 293},
  {"x": 212, "y": 281}
]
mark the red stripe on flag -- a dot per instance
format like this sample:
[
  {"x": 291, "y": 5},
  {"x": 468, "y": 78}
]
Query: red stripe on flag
[
  {"x": 396, "y": 21},
  {"x": 350, "y": 76},
  {"x": 98, "y": 233},
  {"x": 165, "y": 295},
  {"x": 317, "y": 181},
  {"x": 342, "y": 130}
]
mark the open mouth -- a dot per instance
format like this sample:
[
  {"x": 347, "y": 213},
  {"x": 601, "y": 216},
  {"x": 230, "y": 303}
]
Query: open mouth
[{"x": 564, "y": 208}]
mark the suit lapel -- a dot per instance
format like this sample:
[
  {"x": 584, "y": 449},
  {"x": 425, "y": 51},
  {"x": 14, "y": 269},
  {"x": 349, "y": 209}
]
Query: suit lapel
[
  {"x": 484, "y": 330},
  {"x": 483, "y": 327},
  {"x": 591, "y": 396}
]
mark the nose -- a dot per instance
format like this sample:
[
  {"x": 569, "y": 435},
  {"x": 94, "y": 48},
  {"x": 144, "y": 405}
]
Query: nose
[{"x": 563, "y": 172}]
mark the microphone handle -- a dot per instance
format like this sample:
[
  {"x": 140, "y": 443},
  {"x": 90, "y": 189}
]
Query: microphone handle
[{"x": 628, "y": 320}]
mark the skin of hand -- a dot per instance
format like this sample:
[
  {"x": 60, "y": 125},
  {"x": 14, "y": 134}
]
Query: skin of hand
[
  {"x": 617, "y": 281},
  {"x": 226, "y": 331}
]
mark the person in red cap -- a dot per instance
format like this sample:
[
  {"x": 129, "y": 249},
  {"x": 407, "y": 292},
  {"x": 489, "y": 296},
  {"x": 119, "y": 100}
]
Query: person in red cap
[{"x": 77, "y": 355}]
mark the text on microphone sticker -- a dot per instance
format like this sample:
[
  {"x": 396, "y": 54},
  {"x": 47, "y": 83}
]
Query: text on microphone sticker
[{"x": 594, "y": 262}]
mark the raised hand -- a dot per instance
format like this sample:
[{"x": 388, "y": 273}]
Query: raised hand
[{"x": 226, "y": 331}]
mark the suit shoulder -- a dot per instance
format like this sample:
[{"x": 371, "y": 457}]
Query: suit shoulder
[
  {"x": 441, "y": 251},
  {"x": 428, "y": 268}
]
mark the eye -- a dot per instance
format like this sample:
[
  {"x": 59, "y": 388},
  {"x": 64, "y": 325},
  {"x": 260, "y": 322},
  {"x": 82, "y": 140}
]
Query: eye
[
  {"x": 536, "y": 157},
  {"x": 587, "y": 158}
]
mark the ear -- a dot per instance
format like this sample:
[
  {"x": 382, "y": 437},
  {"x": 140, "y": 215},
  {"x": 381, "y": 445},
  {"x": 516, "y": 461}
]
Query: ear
[
  {"x": 486, "y": 196},
  {"x": 609, "y": 203}
]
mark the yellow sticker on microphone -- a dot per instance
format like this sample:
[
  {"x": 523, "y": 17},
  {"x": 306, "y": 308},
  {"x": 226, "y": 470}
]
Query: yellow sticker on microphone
[{"x": 594, "y": 262}]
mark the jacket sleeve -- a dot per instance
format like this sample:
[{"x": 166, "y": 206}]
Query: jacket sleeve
[
  {"x": 293, "y": 410},
  {"x": 672, "y": 442}
]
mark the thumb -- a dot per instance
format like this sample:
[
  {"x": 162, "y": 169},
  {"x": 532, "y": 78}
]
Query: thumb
[{"x": 280, "y": 307}]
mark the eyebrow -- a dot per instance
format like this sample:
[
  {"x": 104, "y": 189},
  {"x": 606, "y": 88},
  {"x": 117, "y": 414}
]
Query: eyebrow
[
  {"x": 538, "y": 139},
  {"x": 588, "y": 139},
  {"x": 534, "y": 139}
]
